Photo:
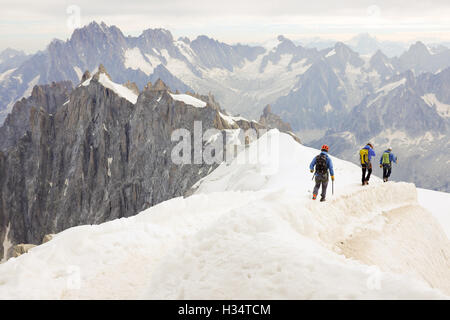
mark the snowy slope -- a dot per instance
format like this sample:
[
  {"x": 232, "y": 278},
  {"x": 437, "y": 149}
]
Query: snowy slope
[
  {"x": 250, "y": 231},
  {"x": 119, "y": 89},
  {"x": 190, "y": 100},
  {"x": 437, "y": 203}
]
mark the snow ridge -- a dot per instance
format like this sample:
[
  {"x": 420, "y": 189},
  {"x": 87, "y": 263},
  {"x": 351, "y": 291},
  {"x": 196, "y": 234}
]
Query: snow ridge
[{"x": 251, "y": 231}]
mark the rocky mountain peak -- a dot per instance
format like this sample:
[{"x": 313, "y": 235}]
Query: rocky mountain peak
[
  {"x": 95, "y": 34},
  {"x": 148, "y": 86},
  {"x": 272, "y": 120},
  {"x": 267, "y": 110},
  {"x": 159, "y": 38},
  {"x": 343, "y": 50},
  {"x": 184, "y": 39},
  {"x": 419, "y": 48},
  {"x": 10, "y": 53},
  {"x": 380, "y": 62},
  {"x": 101, "y": 69},
  {"x": 132, "y": 86},
  {"x": 379, "y": 55},
  {"x": 345, "y": 54},
  {"x": 158, "y": 86},
  {"x": 86, "y": 75}
]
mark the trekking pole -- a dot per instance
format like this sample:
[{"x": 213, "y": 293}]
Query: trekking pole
[
  {"x": 332, "y": 187},
  {"x": 313, "y": 176}
]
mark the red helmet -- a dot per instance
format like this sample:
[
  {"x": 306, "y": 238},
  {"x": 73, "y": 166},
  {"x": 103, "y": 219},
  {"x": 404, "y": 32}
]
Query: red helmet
[{"x": 324, "y": 148}]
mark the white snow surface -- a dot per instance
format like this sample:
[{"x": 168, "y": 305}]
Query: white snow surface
[
  {"x": 136, "y": 61},
  {"x": 6, "y": 74},
  {"x": 434, "y": 201},
  {"x": 119, "y": 89},
  {"x": 251, "y": 231},
  {"x": 78, "y": 72},
  {"x": 391, "y": 86},
  {"x": 442, "y": 108},
  {"x": 331, "y": 53},
  {"x": 31, "y": 85},
  {"x": 190, "y": 100}
]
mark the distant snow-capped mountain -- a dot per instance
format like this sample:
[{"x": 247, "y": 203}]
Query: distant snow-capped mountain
[
  {"x": 366, "y": 44},
  {"x": 243, "y": 78},
  {"x": 311, "y": 89},
  {"x": 10, "y": 59}
]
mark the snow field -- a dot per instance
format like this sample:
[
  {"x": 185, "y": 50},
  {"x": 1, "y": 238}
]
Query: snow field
[
  {"x": 250, "y": 231},
  {"x": 190, "y": 100},
  {"x": 120, "y": 90}
]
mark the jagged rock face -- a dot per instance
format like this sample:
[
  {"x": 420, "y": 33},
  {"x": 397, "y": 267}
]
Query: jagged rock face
[
  {"x": 96, "y": 158},
  {"x": 307, "y": 107},
  {"x": 419, "y": 59},
  {"x": 380, "y": 63},
  {"x": 20, "y": 249},
  {"x": 272, "y": 120},
  {"x": 48, "y": 97},
  {"x": 215, "y": 54},
  {"x": 132, "y": 86}
]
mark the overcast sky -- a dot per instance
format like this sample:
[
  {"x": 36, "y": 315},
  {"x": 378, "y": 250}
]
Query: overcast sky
[{"x": 31, "y": 25}]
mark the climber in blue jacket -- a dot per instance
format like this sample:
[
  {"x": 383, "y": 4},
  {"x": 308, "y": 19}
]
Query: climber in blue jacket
[
  {"x": 366, "y": 155},
  {"x": 323, "y": 164}
]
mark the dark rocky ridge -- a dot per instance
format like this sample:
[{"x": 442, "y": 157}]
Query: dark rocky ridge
[
  {"x": 48, "y": 97},
  {"x": 95, "y": 158}
]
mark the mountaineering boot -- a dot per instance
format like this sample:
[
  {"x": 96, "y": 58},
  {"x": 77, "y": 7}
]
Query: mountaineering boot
[
  {"x": 314, "y": 196},
  {"x": 322, "y": 199}
]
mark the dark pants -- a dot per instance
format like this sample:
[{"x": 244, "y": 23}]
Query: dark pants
[
  {"x": 387, "y": 168},
  {"x": 366, "y": 167},
  {"x": 321, "y": 179}
]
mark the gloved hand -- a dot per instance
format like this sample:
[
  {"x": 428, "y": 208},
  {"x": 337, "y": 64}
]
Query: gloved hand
[
  {"x": 332, "y": 178},
  {"x": 381, "y": 166},
  {"x": 311, "y": 171}
]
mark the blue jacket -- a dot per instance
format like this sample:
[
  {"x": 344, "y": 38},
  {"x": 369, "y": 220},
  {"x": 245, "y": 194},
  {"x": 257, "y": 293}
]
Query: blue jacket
[
  {"x": 371, "y": 152},
  {"x": 329, "y": 163},
  {"x": 392, "y": 157}
]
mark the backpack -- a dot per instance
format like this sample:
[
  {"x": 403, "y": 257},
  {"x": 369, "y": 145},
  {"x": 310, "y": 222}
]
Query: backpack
[
  {"x": 364, "y": 156},
  {"x": 321, "y": 164},
  {"x": 385, "y": 159}
]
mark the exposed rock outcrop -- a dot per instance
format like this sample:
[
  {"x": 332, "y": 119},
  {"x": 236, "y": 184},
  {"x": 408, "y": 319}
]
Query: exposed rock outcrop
[
  {"x": 132, "y": 86},
  {"x": 48, "y": 97},
  {"x": 20, "y": 249},
  {"x": 47, "y": 238},
  {"x": 272, "y": 120}
]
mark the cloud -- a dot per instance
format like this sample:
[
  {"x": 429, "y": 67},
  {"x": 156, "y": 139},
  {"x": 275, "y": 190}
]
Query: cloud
[{"x": 27, "y": 23}]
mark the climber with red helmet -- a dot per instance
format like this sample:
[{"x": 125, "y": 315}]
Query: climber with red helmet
[{"x": 323, "y": 164}]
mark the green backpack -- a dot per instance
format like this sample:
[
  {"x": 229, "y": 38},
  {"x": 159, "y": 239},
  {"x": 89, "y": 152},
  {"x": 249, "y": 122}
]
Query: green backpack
[{"x": 386, "y": 158}]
